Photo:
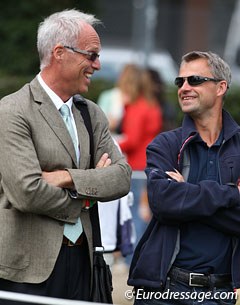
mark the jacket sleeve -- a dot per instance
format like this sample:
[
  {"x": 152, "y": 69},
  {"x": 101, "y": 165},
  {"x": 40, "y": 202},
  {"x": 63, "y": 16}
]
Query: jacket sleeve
[
  {"x": 22, "y": 186},
  {"x": 225, "y": 220},
  {"x": 108, "y": 183},
  {"x": 181, "y": 201},
  {"x": 133, "y": 128}
]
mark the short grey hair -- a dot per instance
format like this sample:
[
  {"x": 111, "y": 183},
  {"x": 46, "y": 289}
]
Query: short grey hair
[
  {"x": 61, "y": 27},
  {"x": 219, "y": 68}
]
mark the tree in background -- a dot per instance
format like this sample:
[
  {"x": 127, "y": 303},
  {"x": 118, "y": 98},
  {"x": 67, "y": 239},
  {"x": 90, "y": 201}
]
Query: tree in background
[{"x": 18, "y": 27}]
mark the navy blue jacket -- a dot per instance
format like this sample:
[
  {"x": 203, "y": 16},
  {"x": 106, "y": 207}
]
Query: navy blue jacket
[{"x": 172, "y": 203}]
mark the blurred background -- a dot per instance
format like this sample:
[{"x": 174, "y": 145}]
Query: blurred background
[{"x": 148, "y": 32}]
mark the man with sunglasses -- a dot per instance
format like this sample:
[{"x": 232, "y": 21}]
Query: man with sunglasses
[
  {"x": 190, "y": 252},
  {"x": 46, "y": 180}
]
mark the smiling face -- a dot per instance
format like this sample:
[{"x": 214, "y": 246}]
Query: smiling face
[
  {"x": 200, "y": 99},
  {"x": 69, "y": 71},
  {"x": 77, "y": 68}
]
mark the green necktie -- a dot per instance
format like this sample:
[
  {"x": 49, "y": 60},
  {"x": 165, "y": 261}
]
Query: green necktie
[
  {"x": 72, "y": 232},
  {"x": 65, "y": 112}
]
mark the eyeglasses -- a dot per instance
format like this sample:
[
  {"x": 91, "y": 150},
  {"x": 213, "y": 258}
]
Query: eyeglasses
[
  {"x": 194, "y": 80},
  {"x": 91, "y": 55}
]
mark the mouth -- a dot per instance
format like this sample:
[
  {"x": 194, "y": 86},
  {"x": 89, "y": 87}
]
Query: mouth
[
  {"x": 88, "y": 75},
  {"x": 186, "y": 99}
]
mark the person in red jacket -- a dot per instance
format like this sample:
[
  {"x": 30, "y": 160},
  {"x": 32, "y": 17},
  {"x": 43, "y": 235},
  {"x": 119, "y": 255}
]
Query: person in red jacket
[{"x": 141, "y": 122}]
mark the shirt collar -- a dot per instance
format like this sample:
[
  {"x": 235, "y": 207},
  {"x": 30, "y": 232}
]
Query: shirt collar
[
  {"x": 53, "y": 96},
  {"x": 218, "y": 142}
]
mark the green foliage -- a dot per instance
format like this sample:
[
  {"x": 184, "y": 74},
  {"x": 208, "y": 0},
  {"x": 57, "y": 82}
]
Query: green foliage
[
  {"x": 232, "y": 102},
  {"x": 18, "y": 31},
  {"x": 19, "y": 21},
  {"x": 10, "y": 84},
  {"x": 96, "y": 87}
]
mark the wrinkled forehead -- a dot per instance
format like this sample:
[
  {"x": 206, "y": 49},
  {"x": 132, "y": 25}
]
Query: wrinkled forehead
[
  {"x": 198, "y": 66},
  {"x": 89, "y": 38}
]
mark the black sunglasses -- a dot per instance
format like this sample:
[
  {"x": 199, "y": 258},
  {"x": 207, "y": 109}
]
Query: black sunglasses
[
  {"x": 194, "y": 80},
  {"x": 90, "y": 55}
]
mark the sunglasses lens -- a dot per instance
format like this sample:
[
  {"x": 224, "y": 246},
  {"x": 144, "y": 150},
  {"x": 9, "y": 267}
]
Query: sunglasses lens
[
  {"x": 94, "y": 56},
  {"x": 195, "y": 80},
  {"x": 179, "y": 81}
]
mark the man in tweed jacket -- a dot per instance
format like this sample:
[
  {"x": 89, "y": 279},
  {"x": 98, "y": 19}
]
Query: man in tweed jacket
[{"x": 43, "y": 186}]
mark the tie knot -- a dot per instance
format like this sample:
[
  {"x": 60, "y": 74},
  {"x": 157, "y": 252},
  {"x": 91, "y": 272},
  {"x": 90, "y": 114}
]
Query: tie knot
[{"x": 65, "y": 111}]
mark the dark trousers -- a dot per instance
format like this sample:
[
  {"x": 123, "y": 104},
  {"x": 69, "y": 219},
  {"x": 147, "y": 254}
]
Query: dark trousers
[{"x": 70, "y": 278}]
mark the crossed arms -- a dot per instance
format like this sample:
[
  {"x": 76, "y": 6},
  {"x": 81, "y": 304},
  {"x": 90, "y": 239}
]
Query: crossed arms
[{"x": 174, "y": 201}]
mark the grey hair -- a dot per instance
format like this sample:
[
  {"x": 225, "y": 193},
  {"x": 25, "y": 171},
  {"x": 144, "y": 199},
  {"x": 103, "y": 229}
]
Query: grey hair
[
  {"x": 61, "y": 27},
  {"x": 219, "y": 68}
]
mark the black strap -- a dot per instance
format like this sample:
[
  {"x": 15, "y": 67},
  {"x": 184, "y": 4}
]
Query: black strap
[{"x": 81, "y": 105}]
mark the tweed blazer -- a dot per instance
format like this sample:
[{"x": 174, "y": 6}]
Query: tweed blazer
[{"x": 34, "y": 138}]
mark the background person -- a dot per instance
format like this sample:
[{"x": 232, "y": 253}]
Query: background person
[
  {"x": 192, "y": 241},
  {"x": 110, "y": 101},
  {"x": 156, "y": 89},
  {"x": 141, "y": 122},
  {"x": 117, "y": 228},
  {"x": 44, "y": 166}
]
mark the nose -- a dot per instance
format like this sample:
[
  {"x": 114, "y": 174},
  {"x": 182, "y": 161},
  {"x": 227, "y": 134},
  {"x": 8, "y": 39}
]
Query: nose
[
  {"x": 96, "y": 64},
  {"x": 185, "y": 84}
]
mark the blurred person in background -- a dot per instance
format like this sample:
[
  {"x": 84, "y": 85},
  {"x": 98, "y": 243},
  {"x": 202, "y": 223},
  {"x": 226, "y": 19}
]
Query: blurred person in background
[
  {"x": 110, "y": 101},
  {"x": 154, "y": 89},
  {"x": 141, "y": 122},
  {"x": 118, "y": 232},
  {"x": 117, "y": 228},
  {"x": 157, "y": 90}
]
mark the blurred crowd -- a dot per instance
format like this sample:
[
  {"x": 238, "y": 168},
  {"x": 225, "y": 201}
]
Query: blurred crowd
[{"x": 137, "y": 110}]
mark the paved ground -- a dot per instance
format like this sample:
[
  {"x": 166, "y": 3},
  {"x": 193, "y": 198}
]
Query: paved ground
[{"x": 120, "y": 274}]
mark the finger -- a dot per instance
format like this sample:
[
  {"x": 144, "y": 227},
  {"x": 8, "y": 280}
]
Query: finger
[
  {"x": 171, "y": 174},
  {"x": 108, "y": 162},
  {"x": 181, "y": 178},
  {"x": 102, "y": 160},
  {"x": 176, "y": 176}
]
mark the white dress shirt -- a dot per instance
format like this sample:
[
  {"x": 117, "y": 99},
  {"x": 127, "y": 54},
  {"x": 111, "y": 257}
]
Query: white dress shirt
[{"x": 57, "y": 101}]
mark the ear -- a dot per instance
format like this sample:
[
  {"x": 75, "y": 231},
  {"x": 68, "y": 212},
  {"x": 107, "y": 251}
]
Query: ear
[
  {"x": 58, "y": 51},
  {"x": 222, "y": 87}
]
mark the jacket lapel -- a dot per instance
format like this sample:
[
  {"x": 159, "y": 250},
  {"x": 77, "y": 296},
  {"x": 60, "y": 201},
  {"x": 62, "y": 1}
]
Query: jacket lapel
[{"x": 53, "y": 118}]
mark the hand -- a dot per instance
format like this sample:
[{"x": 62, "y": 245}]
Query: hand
[
  {"x": 59, "y": 178},
  {"x": 62, "y": 178},
  {"x": 104, "y": 161},
  {"x": 175, "y": 175}
]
